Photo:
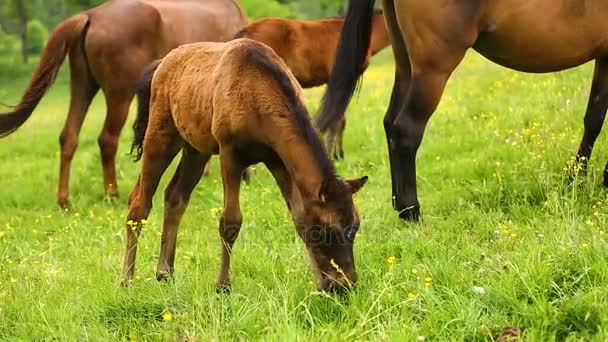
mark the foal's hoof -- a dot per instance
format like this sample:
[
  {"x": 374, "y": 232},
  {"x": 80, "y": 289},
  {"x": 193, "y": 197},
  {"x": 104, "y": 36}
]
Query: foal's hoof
[
  {"x": 64, "y": 204},
  {"x": 606, "y": 177},
  {"x": 411, "y": 213},
  {"x": 223, "y": 288},
  {"x": 111, "y": 196}
]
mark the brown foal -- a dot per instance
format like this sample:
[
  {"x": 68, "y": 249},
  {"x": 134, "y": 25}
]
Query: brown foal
[
  {"x": 309, "y": 48},
  {"x": 238, "y": 100},
  {"x": 109, "y": 46},
  {"x": 429, "y": 40}
]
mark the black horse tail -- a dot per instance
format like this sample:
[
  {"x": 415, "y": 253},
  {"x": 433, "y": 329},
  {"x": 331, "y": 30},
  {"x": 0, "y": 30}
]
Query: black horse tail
[
  {"x": 350, "y": 56},
  {"x": 144, "y": 91}
]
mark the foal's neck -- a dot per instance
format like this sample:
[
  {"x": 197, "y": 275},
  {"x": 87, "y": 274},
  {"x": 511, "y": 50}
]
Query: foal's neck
[{"x": 308, "y": 166}]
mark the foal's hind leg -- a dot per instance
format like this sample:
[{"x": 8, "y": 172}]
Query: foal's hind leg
[
  {"x": 160, "y": 147},
  {"x": 595, "y": 114},
  {"x": 117, "y": 112},
  {"x": 231, "y": 219},
  {"x": 177, "y": 196},
  {"x": 82, "y": 91}
]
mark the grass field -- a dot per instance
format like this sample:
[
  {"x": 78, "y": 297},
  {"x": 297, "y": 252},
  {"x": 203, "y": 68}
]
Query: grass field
[{"x": 505, "y": 240}]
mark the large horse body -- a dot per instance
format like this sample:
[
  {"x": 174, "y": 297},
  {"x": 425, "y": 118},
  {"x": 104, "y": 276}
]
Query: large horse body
[
  {"x": 430, "y": 39},
  {"x": 309, "y": 49},
  {"x": 238, "y": 100},
  {"x": 108, "y": 48}
]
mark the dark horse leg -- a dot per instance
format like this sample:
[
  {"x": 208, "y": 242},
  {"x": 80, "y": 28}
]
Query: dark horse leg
[
  {"x": 82, "y": 91},
  {"x": 231, "y": 219},
  {"x": 160, "y": 147},
  {"x": 432, "y": 62},
  {"x": 400, "y": 86},
  {"x": 595, "y": 114},
  {"x": 177, "y": 196}
]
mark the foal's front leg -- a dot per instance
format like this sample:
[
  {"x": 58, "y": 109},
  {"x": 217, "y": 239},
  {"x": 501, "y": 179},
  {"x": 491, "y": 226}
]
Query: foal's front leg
[{"x": 231, "y": 219}]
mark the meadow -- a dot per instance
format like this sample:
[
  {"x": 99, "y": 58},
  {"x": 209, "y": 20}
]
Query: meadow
[{"x": 506, "y": 240}]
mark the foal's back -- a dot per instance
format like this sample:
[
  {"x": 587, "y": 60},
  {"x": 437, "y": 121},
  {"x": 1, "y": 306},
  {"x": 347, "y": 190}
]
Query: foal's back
[{"x": 216, "y": 92}]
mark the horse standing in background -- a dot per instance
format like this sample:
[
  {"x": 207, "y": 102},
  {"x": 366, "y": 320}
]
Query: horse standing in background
[
  {"x": 430, "y": 38},
  {"x": 238, "y": 100},
  {"x": 109, "y": 46},
  {"x": 309, "y": 49}
]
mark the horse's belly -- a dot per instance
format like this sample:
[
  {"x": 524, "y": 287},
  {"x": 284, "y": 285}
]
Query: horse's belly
[
  {"x": 543, "y": 35},
  {"x": 532, "y": 53}
]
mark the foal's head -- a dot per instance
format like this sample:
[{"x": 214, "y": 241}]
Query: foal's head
[{"x": 328, "y": 227}]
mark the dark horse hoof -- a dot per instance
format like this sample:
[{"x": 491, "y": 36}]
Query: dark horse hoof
[
  {"x": 223, "y": 288},
  {"x": 411, "y": 213},
  {"x": 164, "y": 276},
  {"x": 606, "y": 176}
]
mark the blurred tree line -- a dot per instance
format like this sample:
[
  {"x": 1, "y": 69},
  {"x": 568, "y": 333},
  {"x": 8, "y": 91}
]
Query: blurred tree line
[{"x": 25, "y": 24}]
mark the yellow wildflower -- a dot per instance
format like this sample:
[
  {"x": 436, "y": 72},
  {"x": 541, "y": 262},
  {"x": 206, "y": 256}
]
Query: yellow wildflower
[{"x": 167, "y": 316}]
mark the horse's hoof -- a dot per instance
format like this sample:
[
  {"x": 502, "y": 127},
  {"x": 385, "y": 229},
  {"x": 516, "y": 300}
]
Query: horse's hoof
[
  {"x": 64, "y": 204},
  {"x": 223, "y": 288},
  {"x": 246, "y": 176},
  {"x": 606, "y": 177},
  {"x": 411, "y": 213},
  {"x": 164, "y": 276},
  {"x": 124, "y": 282}
]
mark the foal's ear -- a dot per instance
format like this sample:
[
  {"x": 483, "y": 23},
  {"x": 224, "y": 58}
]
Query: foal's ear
[{"x": 356, "y": 184}]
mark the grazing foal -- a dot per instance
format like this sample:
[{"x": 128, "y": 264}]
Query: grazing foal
[
  {"x": 309, "y": 48},
  {"x": 238, "y": 99}
]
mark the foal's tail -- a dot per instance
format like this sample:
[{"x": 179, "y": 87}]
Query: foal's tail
[
  {"x": 65, "y": 34},
  {"x": 144, "y": 89},
  {"x": 350, "y": 57}
]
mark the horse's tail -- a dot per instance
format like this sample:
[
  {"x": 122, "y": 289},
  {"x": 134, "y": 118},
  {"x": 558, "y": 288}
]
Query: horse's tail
[
  {"x": 350, "y": 58},
  {"x": 52, "y": 57},
  {"x": 144, "y": 92}
]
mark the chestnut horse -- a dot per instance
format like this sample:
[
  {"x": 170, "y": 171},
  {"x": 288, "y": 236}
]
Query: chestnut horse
[
  {"x": 238, "y": 100},
  {"x": 429, "y": 40},
  {"x": 309, "y": 48},
  {"x": 109, "y": 46}
]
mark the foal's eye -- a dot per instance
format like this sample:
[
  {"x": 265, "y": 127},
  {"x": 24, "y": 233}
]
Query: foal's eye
[{"x": 352, "y": 231}]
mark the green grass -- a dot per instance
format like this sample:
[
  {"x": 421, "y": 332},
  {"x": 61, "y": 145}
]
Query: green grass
[{"x": 498, "y": 214}]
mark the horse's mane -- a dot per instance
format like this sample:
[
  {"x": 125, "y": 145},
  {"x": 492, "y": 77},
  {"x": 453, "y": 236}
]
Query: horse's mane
[{"x": 261, "y": 58}]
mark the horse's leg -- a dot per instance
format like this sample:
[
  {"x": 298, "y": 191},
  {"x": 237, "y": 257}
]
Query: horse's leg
[
  {"x": 595, "y": 114},
  {"x": 117, "y": 112},
  {"x": 177, "y": 196},
  {"x": 339, "y": 149},
  {"x": 231, "y": 219},
  {"x": 400, "y": 87},
  {"x": 82, "y": 91},
  {"x": 160, "y": 147},
  {"x": 330, "y": 141}
]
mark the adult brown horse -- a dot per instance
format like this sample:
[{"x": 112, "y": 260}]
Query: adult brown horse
[
  {"x": 309, "y": 49},
  {"x": 429, "y": 40},
  {"x": 109, "y": 46},
  {"x": 238, "y": 100}
]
